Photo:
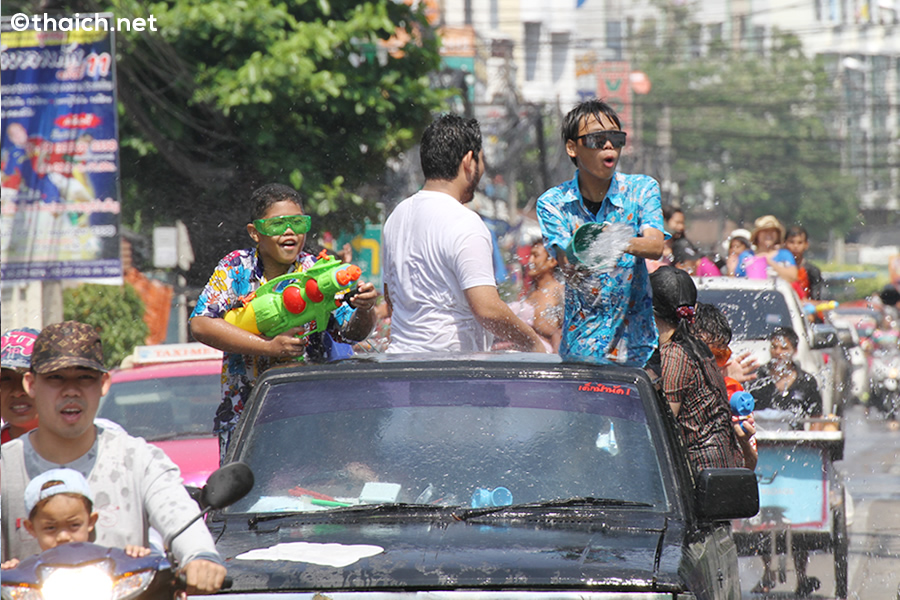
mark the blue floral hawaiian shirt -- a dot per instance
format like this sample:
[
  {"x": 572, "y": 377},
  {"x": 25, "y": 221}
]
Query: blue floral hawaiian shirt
[
  {"x": 609, "y": 315},
  {"x": 236, "y": 276}
]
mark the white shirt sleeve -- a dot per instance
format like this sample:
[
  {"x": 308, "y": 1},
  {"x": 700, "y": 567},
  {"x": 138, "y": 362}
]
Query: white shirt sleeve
[{"x": 474, "y": 262}]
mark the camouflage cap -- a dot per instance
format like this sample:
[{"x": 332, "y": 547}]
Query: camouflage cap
[{"x": 67, "y": 344}]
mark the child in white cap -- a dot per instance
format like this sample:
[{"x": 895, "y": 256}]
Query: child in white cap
[{"x": 60, "y": 510}]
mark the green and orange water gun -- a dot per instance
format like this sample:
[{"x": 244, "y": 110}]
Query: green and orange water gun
[{"x": 302, "y": 299}]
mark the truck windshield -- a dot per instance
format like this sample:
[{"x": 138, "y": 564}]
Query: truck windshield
[{"x": 317, "y": 445}]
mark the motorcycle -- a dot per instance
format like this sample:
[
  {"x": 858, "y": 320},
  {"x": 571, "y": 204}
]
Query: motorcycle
[
  {"x": 885, "y": 384},
  {"x": 82, "y": 570}
]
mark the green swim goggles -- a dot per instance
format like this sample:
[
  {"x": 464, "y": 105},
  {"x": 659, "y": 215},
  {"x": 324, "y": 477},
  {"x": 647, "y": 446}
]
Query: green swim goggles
[{"x": 279, "y": 225}]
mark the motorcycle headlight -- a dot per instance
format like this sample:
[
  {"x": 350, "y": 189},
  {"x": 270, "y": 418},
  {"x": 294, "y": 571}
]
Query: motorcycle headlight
[
  {"x": 88, "y": 582},
  {"x": 77, "y": 583}
]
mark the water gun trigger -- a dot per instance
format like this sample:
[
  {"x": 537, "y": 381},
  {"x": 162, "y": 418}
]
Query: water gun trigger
[
  {"x": 245, "y": 300},
  {"x": 349, "y": 295}
]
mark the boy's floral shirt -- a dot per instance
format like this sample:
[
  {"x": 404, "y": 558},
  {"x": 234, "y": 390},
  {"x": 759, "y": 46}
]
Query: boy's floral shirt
[{"x": 235, "y": 277}]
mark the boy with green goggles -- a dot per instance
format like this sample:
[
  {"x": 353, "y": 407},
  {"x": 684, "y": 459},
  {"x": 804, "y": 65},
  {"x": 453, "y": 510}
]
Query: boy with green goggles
[{"x": 279, "y": 225}]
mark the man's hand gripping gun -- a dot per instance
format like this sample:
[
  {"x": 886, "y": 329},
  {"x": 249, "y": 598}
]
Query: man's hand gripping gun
[{"x": 302, "y": 299}]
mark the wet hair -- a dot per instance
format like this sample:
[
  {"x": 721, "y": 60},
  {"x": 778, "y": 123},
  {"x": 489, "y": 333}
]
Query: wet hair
[
  {"x": 795, "y": 231},
  {"x": 42, "y": 503},
  {"x": 711, "y": 325},
  {"x": 787, "y": 333},
  {"x": 673, "y": 289},
  {"x": 264, "y": 197},
  {"x": 444, "y": 144},
  {"x": 674, "y": 301},
  {"x": 670, "y": 211},
  {"x": 580, "y": 112}
]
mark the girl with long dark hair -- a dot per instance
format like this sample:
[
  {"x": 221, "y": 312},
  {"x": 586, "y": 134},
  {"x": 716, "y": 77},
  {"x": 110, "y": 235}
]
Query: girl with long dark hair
[{"x": 690, "y": 378}]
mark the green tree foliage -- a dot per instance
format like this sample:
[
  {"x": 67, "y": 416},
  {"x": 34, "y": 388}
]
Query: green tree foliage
[
  {"x": 228, "y": 95},
  {"x": 116, "y": 312},
  {"x": 752, "y": 127}
]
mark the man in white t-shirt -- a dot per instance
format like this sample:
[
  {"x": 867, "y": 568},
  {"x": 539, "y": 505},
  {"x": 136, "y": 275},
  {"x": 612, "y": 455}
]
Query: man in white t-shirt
[{"x": 438, "y": 271}]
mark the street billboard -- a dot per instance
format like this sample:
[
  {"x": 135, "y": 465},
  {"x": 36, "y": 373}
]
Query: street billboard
[
  {"x": 59, "y": 150},
  {"x": 614, "y": 87}
]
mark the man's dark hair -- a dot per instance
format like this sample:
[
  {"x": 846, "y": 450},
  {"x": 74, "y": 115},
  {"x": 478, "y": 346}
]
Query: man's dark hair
[
  {"x": 581, "y": 111},
  {"x": 444, "y": 144},
  {"x": 795, "y": 231},
  {"x": 787, "y": 333},
  {"x": 711, "y": 325},
  {"x": 272, "y": 193}
]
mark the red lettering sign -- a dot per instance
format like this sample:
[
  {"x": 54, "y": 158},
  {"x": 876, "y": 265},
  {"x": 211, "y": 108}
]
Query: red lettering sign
[{"x": 78, "y": 121}]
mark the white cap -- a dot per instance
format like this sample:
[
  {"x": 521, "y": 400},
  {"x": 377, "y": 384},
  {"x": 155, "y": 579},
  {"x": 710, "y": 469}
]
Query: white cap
[
  {"x": 61, "y": 481},
  {"x": 739, "y": 233}
]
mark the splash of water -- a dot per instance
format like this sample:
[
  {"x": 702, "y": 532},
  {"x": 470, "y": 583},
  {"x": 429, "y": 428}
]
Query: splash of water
[{"x": 606, "y": 249}]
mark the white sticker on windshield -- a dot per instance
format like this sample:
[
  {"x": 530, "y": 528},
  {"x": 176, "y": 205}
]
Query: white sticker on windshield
[{"x": 332, "y": 555}]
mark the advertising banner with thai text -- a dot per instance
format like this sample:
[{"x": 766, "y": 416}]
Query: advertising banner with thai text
[{"x": 60, "y": 152}]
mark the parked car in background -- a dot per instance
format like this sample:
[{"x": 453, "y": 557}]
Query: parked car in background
[
  {"x": 168, "y": 395},
  {"x": 509, "y": 476},
  {"x": 755, "y": 307}
]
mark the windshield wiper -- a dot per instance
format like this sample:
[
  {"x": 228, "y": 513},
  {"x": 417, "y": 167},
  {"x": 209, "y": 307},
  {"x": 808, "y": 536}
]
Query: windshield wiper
[
  {"x": 368, "y": 509},
  {"x": 178, "y": 435},
  {"x": 576, "y": 502}
]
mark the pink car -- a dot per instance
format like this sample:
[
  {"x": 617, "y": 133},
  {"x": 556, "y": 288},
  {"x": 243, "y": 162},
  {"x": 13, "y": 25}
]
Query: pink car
[{"x": 168, "y": 395}]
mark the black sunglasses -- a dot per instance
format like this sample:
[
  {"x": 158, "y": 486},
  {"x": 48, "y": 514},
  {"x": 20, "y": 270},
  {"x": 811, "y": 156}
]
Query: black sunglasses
[{"x": 598, "y": 139}]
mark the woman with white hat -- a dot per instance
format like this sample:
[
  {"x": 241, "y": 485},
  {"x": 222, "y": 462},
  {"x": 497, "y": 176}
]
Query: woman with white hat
[{"x": 767, "y": 236}]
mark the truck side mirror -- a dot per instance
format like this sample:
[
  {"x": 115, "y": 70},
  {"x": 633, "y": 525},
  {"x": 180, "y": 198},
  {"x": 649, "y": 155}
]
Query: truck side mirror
[
  {"x": 726, "y": 494},
  {"x": 226, "y": 485}
]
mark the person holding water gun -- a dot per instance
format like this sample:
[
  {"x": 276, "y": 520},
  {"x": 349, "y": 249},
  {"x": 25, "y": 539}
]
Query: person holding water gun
[{"x": 278, "y": 227}]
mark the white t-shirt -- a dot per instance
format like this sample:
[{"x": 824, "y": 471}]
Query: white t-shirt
[{"x": 433, "y": 249}]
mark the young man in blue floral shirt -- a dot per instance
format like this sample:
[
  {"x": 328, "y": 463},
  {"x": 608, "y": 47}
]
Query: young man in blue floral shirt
[
  {"x": 608, "y": 311},
  {"x": 278, "y": 227}
]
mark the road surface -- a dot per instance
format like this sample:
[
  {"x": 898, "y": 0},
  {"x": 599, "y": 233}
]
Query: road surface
[{"x": 871, "y": 470}]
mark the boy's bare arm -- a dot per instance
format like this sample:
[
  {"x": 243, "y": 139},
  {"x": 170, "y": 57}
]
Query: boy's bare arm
[
  {"x": 229, "y": 338},
  {"x": 364, "y": 318},
  {"x": 649, "y": 245}
]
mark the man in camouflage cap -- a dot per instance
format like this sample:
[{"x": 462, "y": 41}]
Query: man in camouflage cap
[{"x": 66, "y": 380}]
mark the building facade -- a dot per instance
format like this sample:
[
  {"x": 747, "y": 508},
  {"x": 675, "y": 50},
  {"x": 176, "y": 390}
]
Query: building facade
[{"x": 557, "y": 52}]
